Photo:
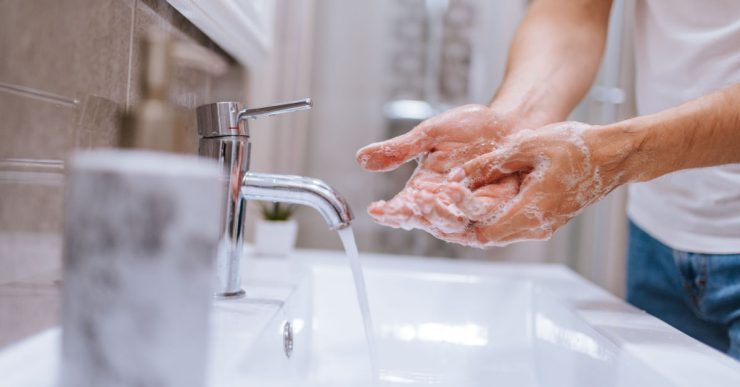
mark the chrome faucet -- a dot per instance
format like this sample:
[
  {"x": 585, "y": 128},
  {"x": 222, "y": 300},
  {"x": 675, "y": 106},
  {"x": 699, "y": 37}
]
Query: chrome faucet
[{"x": 224, "y": 136}]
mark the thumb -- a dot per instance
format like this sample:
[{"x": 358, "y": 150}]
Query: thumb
[{"x": 390, "y": 154}]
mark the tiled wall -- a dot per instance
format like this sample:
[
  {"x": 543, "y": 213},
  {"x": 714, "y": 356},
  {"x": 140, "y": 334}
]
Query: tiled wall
[{"x": 67, "y": 71}]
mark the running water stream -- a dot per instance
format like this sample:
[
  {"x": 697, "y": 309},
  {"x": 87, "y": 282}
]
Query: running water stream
[{"x": 350, "y": 247}]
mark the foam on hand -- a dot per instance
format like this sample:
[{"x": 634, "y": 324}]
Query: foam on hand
[
  {"x": 445, "y": 208},
  {"x": 509, "y": 196}
]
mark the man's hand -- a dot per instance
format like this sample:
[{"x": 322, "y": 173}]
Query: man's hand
[
  {"x": 458, "y": 134},
  {"x": 527, "y": 185},
  {"x": 564, "y": 167},
  {"x": 429, "y": 201}
]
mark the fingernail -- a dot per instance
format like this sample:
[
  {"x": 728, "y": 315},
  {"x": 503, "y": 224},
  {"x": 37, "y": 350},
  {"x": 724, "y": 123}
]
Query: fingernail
[
  {"x": 377, "y": 208},
  {"x": 363, "y": 160}
]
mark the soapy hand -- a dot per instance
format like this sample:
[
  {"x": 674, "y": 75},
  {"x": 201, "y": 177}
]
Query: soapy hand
[
  {"x": 524, "y": 188},
  {"x": 458, "y": 134},
  {"x": 564, "y": 167},
  {"x": 430, "y": 201}
]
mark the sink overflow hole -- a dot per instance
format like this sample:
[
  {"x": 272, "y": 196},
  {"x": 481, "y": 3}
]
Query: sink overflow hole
[{"x": 288, "y": 339}]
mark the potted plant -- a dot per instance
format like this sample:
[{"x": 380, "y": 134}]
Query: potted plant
[{"x": 275, "y": 232}]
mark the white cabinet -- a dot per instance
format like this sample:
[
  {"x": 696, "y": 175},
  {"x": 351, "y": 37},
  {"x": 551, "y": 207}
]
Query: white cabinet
[{"x": 243, "y": 28}]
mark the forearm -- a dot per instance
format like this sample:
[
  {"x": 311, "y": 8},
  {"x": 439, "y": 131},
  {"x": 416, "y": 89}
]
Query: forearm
[
  {"x": 700, "y": 133},
  {"x": 553, "y": 60}
]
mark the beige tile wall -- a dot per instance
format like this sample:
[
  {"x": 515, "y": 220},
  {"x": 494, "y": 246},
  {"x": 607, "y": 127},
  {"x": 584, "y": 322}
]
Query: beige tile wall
[{"x": 67, "y": 71}]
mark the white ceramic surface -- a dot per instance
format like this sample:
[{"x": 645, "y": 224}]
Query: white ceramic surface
[
  {"x": 471, "y": 324},
  {"x": 437, "y": 321}
]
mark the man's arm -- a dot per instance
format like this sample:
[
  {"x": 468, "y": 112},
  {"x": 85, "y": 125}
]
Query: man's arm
[
  {"x": 571, "y": 165},
  {"x": 553, "y": 60},
  {"x": 700, "y": 133}
]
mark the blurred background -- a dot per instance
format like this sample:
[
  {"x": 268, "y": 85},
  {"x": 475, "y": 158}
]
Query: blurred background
[{"x": 373, "y": 68}]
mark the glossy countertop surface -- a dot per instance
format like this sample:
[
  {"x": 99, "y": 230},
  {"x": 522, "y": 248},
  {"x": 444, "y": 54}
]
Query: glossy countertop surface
[{"x": 515, "y": 324}]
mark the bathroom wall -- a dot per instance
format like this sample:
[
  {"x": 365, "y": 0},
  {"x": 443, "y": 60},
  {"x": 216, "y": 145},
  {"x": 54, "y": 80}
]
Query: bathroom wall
[{"x": 67, "y": 70}]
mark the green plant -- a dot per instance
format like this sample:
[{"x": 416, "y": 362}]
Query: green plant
[{"x": 277, "y": 211}]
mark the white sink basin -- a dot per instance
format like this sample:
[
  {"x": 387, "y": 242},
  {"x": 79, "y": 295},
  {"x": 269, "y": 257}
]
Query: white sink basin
[
  {"x": 437, "y": 322},
  {"x": 473, "y": 324}
]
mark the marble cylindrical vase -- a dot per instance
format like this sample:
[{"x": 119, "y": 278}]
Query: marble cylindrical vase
[{"x": 140, "y": 237}]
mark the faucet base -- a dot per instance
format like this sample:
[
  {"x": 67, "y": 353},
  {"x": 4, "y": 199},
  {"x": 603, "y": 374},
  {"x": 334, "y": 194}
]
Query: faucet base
[{"x": 230, "y": 296}]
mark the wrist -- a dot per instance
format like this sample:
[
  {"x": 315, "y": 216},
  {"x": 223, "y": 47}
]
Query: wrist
[
  {"x": 524, "y": 113},
  {"x": 620, "y": 150},
  {"x": 519, "y": 117}
]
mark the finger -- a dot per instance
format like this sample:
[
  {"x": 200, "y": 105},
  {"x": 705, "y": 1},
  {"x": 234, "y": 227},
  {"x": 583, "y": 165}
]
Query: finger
[
  {"x": 521, "y": 213},
  {"x": 497, "y": 232},
  {"x": 492, "y": 166},
  {"x": 459, "y": 125},
  {"x": 435, "y": 206},
  {"x": 393, "y": 213},
  {"x": 398, "y": 213},
  {"x": 537, "y": 234},
  {"x": 532, "y": 235},
  {"x": 388, "y": 155},
  {"x": 529, "y": 225},
  {"x": 442, "y": 160},
  {"x": 455, "y": 127},
  {"x": 402, "y": 217},
  {"x": 442, "y": 214},
  {"x": 504, "y": 189},
  {"x": 487, "y": 201},
  {"x": 439, "y": 207},
  {"x": 465, "y": 238}
]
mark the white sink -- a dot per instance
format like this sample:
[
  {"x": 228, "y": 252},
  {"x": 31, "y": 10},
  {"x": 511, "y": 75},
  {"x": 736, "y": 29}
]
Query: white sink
[
  {"x": 474, "y": 324},
  {"x": 436, "y": 322}
]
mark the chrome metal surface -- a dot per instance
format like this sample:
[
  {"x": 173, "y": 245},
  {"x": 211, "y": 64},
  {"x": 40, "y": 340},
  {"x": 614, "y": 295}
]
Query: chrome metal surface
[
  {"x": 229, "y": 118},
  {"x": 220, "y": 119},
  {"x": 231, "y": 296},
  {"x": 287, "y": 107},
  {"x": 306, "y": 191},
  {"x": 232, "y": 153},
  {"x": 288, "y": 339},
  {"x": 225, "y": 137}
]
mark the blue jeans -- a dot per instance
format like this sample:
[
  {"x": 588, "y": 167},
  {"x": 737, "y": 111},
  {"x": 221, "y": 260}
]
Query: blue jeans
[{"x": 698, "y": 294}]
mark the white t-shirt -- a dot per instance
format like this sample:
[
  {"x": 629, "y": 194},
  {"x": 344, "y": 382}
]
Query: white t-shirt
[{"x": 686, "y": 49}]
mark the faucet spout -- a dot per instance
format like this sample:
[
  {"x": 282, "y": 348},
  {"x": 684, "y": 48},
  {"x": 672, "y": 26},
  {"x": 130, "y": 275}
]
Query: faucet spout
[{"x": 301, "y": 190}]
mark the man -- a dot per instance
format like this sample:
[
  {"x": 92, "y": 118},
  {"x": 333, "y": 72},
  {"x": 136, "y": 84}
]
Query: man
[{"x": 513, "y": 171}]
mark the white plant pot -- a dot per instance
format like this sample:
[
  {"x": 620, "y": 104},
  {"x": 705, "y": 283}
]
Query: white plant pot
[{"x": 275, "y": 238}]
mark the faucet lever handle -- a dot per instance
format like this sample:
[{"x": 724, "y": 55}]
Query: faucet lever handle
[
  {"x": 287, "y": 107},
  {"x": 229, "y": 119}
]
